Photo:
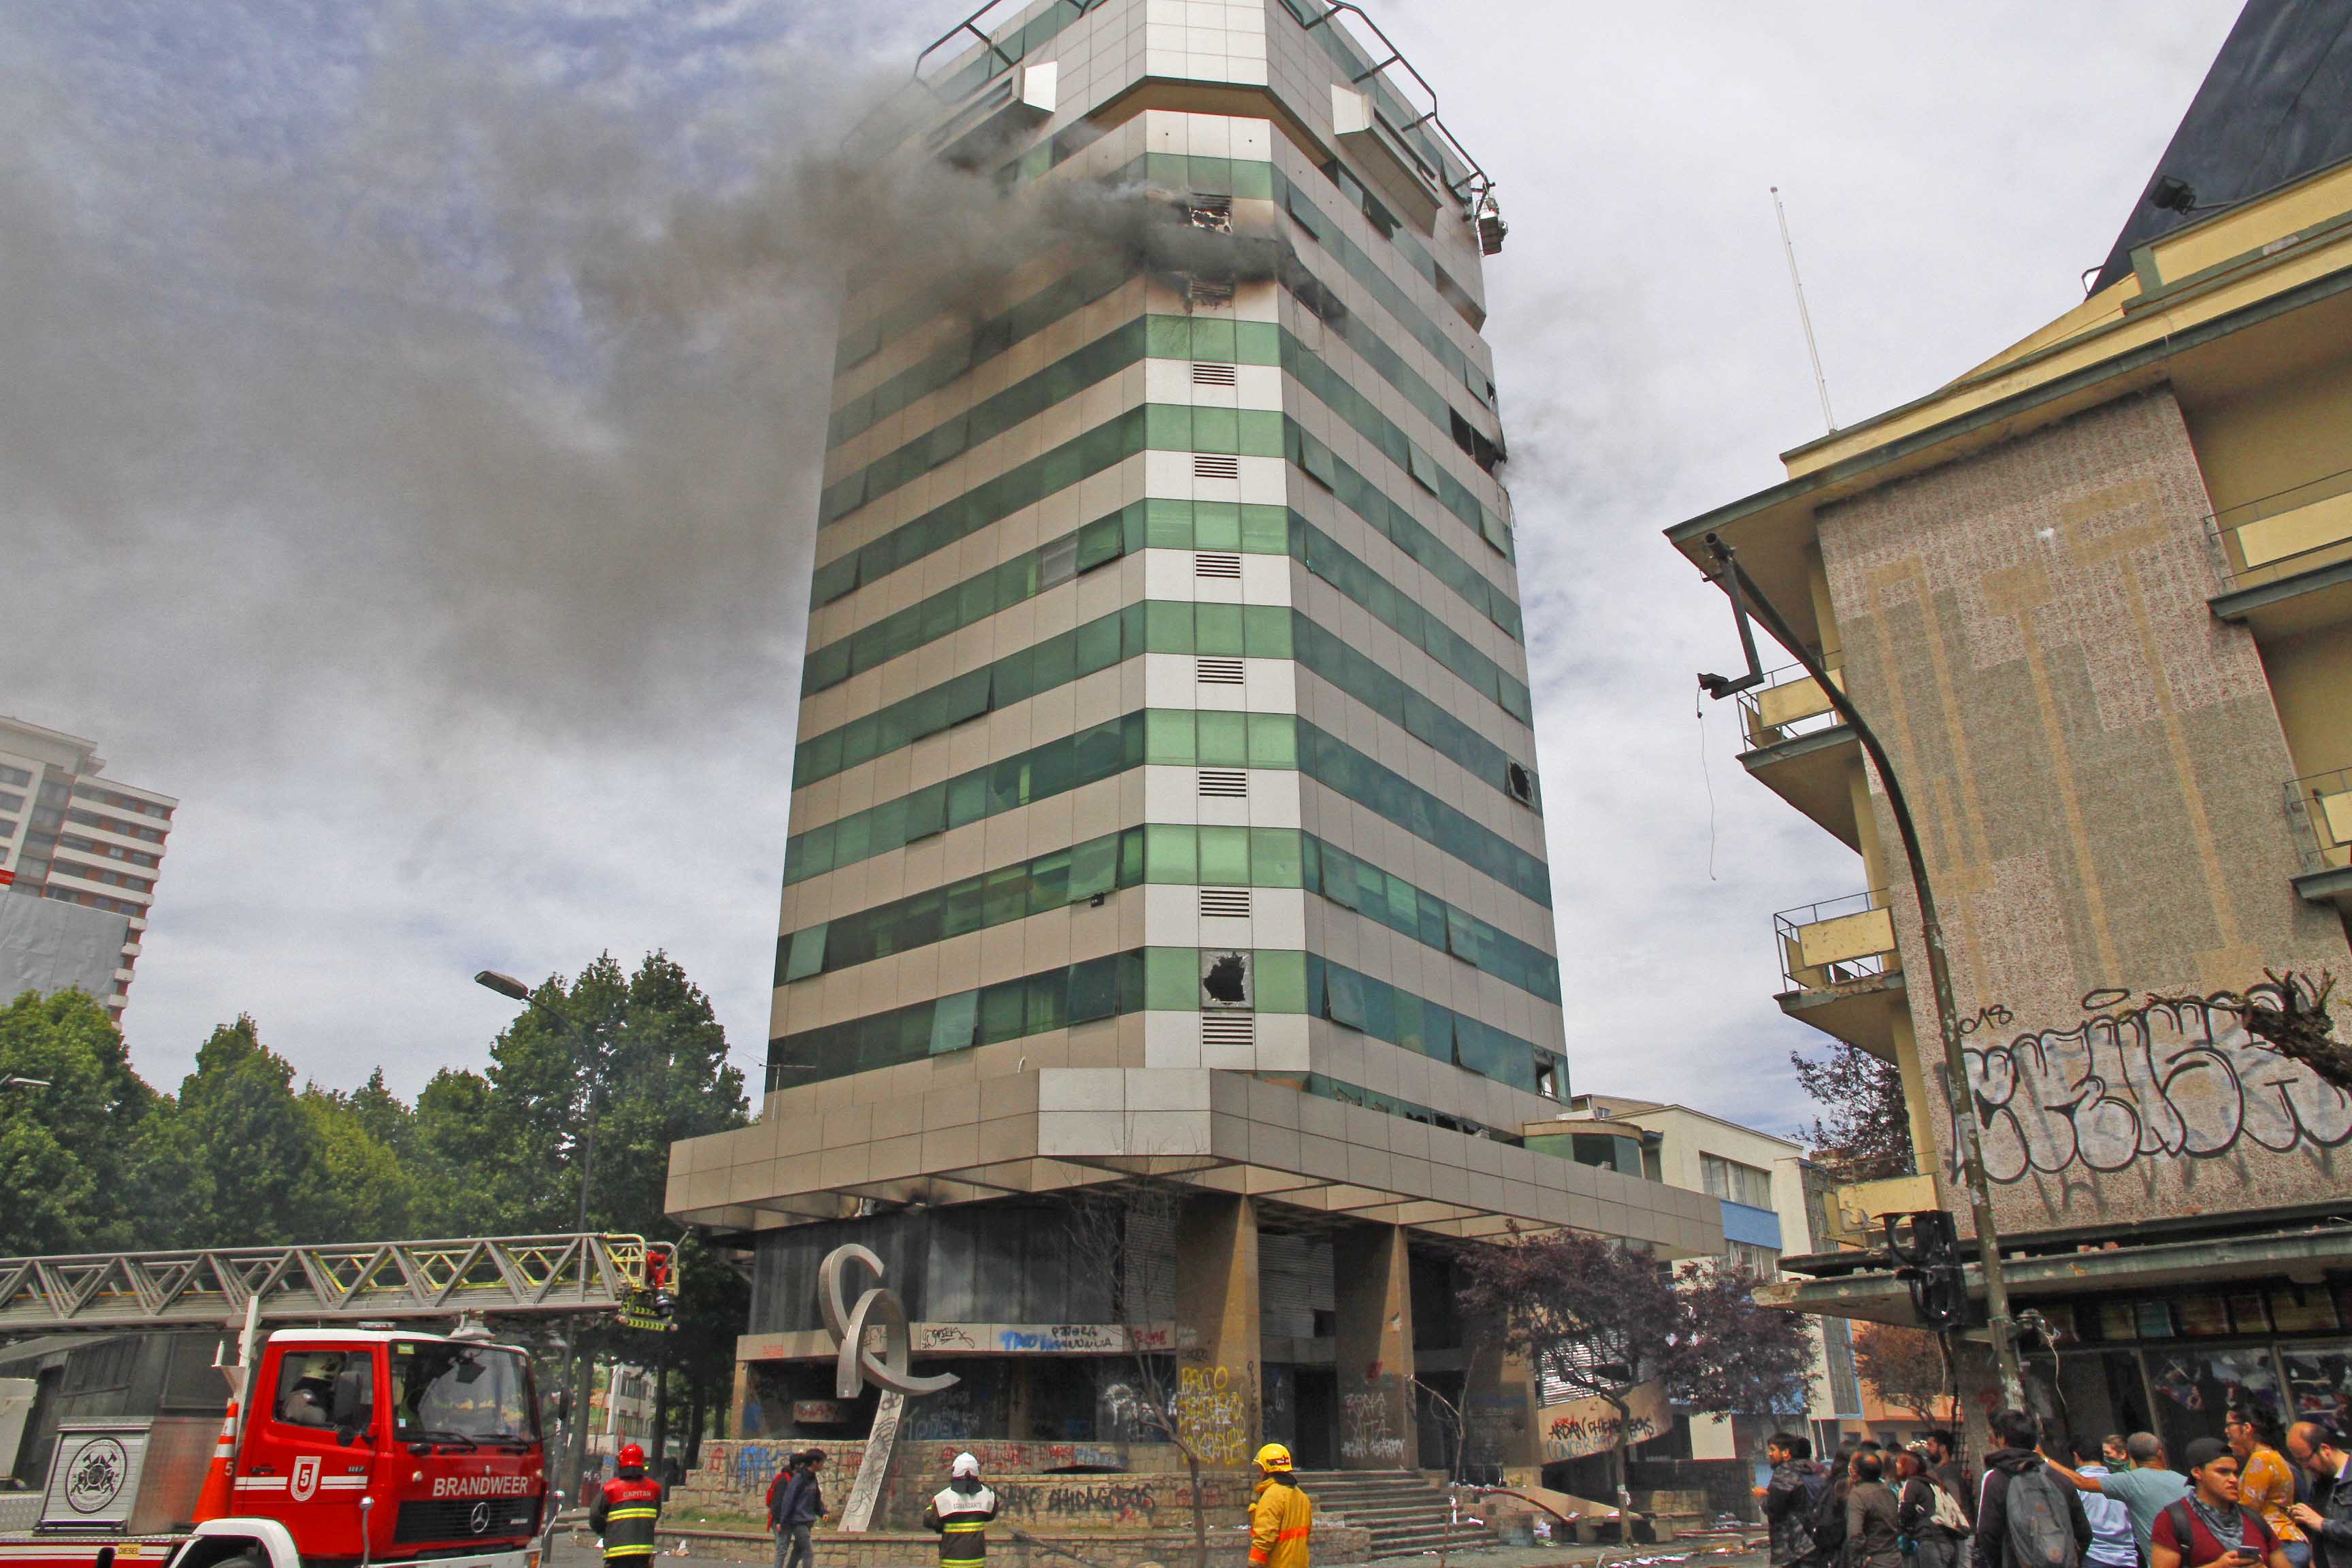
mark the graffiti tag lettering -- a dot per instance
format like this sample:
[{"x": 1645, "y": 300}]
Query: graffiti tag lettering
[
  {"x": 1213, "y": 1411},
  {"x": 1366, "y": 1434},
  {"x": 2170, "y": 1078}
]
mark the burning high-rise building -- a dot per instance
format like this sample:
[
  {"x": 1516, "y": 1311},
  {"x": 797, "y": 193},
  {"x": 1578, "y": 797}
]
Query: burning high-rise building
[{"x": 1165, "y": 803}]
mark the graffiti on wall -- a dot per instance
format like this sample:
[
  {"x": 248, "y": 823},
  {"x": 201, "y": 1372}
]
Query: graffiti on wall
[
  {"x": 1212, "y": 1411},
  {"x": 1368, "y": 1435},
  {"x": 2168, "y": 1079},
  {"x": 1578, "y": 1429}
]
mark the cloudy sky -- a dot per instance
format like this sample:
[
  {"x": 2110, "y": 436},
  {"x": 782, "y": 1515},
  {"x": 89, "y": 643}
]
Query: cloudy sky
[{"x": 409, "y": 411}]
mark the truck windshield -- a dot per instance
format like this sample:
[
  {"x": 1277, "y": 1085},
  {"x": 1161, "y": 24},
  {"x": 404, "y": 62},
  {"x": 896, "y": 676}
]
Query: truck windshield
[{"x": 455, "y": 1393}]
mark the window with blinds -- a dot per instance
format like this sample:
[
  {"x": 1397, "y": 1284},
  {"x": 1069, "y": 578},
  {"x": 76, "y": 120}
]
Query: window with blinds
[{"x": 1740, "y": 1183}]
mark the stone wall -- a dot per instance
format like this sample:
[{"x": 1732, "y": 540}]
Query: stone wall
[
  {"x": 1228, "y": 1547},
  {"x": 2097, "y": 773},
  {"x": 1145, "y": 1491}
]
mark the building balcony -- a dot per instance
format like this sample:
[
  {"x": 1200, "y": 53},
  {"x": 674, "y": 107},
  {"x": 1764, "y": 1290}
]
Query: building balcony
[
  {"x": 1854, "y": 1210},
  {"x": 1844, "y": 974},
  {"x": 2287, "y": 559},
  {"x": 1800, "y": 749},
  {"x": 2321, "y": 809}
]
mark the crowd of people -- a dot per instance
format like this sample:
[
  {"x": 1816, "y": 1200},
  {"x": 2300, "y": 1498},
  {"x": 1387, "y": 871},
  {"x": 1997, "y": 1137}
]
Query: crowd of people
[{"x": 2253, "y": 1497}]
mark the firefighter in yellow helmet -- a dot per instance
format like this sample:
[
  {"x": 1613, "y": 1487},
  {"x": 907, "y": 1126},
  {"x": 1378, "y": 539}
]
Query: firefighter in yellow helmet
[{"x": 1280, "y": 1514}]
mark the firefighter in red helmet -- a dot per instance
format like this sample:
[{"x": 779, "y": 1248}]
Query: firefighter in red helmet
[{"x": 626, "y": 1511}]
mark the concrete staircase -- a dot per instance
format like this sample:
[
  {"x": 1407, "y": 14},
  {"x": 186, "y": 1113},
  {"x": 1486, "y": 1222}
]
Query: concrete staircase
[{"x": 1405, "y": 1513}]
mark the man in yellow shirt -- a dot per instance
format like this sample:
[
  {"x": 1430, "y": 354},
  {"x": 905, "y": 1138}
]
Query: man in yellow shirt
[
  {"x": 1281, "y": 1517},
  {"x": 2265, "y": 1480}
]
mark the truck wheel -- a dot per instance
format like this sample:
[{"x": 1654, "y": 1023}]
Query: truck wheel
[{"x": 245, "y": 1559}]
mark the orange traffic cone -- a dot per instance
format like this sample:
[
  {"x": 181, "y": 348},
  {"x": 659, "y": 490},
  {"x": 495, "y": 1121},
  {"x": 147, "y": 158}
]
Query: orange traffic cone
[{"x": 218, "y": 1499}]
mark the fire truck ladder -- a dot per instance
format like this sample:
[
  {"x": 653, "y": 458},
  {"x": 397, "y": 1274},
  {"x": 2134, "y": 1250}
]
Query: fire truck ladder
[{"x": 211, "y": 1287}]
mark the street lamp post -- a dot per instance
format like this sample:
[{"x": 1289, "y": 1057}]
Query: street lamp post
[
  {"x": 1999, "y": 1326},
  {"x": 575, "y": 1411}
]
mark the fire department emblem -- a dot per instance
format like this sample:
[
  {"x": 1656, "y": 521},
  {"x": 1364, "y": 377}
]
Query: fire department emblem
[
  {"x": 306, "y": 1479},
  {"x": 479, "y": 1520},
  {"x": 98, "y": 1474}
]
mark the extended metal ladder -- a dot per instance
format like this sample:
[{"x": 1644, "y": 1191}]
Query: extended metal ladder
[{"x": 210, "y": 1287}]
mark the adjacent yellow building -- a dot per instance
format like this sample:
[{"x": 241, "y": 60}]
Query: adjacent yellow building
[{"x": 2095, "y": 598}]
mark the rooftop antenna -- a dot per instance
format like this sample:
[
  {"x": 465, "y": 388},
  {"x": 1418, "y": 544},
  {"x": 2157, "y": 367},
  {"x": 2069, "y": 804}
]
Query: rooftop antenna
[{"x": 1820, "y": 381}]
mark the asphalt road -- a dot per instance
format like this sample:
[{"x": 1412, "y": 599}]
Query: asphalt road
[{"x": 1677, "y": 1554}]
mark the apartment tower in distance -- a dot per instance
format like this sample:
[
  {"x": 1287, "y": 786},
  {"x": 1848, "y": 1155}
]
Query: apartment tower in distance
[
  {"x": 71, "y": 836},
  {"x": 1165, "y": 814}
]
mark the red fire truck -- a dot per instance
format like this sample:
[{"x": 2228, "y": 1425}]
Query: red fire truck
[{"x": 347, "y": 1446}]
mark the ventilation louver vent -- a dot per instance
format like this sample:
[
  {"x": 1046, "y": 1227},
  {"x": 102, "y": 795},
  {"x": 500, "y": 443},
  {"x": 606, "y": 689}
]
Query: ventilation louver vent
[
  {"x": 1224, "y": 784},
  {"x": 1217, "y": 671},
  {"x": 1229, "y": 1029},
  {"x": 1215, "y": 465},
  {"x": 1210, "y": 293},
  {"x": 1225, "y": 903},
  {"x": 1208, "y": 373},
  {"x": 1217, "y": 564}
]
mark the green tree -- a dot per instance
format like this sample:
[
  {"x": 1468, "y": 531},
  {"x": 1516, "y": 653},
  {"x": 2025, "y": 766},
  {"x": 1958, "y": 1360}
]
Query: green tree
[
  {"x": 236, "y": 1162},
  {"x": 64, "y": 1148},
  {"x": 362, "y": 1189},
  {"x": 460, "y": 1169}
]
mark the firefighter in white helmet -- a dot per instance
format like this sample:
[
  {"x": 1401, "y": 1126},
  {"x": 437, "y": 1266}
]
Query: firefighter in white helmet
[{"x": 959, "y": 1512}]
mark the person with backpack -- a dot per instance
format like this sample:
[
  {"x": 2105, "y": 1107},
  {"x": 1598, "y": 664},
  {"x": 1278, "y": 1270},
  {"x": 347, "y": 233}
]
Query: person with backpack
[
  {"x": 1944, "y": 1464},
  {"x": 1928, "y": 1514},
  {"x": 1873, "y": 1538},
  {"x": 1825, "y": 1510},
  {"x": 2027, "y": 1515},
  {"x": 2209, "y": 1527},
  {"x": 1797, "y": 1483}
]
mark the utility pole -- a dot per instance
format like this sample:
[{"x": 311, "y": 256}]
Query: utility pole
[
  {"x": 1999, "y": 1326},
  {"x": 575, "y": 1444}
]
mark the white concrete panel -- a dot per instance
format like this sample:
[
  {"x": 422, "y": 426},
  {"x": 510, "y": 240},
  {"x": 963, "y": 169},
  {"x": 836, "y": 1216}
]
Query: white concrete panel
[
  {"x": 1172, "y": 1040},
  {"x": 1168, "y": 682},
  {"x": 1171, "y": 795},
  {"x": 1278, "y": 918},
  {"x": 1154, "y": 1089},
  {"x": 1171, "y": 915},
  {"x": 1166, "y": 1131},
  {"x": 1266, "y": 579},
  {"x": 1270, "y": 685},
  {"x": 1282, "y": 1042},
  {"x": 1077, "y": 1133},
  {"x": 1274, "y": 798},
  {"x": 1222, "y": 932},
  {"x": 1169, "y": 574},
  {"x": 1081, "y": 1089},
  {"x": 1257, "y": 386},
  {"x": 1264, "y": 480}
]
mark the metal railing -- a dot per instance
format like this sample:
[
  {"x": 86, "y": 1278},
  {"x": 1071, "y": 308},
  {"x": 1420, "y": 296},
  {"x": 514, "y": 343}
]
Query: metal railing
[
  {"x": 1788, "y": 704},
  {"x": 2282, "y": 535},
  {"x": 1423, "y": 134},
  {"x": 1836, "y": 941},
  {"x": 2321, "y": 807},
  {"x": 207, "y": 1286}
]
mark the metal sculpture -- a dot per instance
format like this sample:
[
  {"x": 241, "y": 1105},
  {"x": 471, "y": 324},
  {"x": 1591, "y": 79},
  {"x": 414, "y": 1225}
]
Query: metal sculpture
[{"x": 892, "y": 1372}]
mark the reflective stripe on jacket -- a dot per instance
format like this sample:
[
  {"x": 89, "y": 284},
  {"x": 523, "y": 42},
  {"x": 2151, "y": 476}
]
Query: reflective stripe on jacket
[
  {"x": 961, "y": 1520},
  {"x": 1280, "y": 1519},
  {"x": 624, "y": 1513}
]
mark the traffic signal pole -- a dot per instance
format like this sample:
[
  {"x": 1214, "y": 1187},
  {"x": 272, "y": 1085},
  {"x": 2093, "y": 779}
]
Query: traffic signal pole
[{"x": 1999, "y": 1326}]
